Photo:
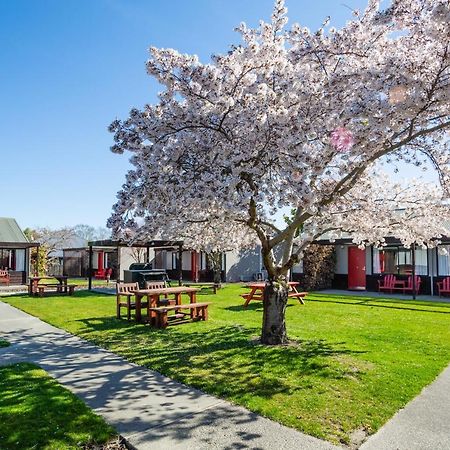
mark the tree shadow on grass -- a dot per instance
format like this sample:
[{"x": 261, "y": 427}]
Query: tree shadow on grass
[
  {"x": 255, "y": 306},
  {"x": 226, "y": 361},
  {"x": 381, "y": 303}
]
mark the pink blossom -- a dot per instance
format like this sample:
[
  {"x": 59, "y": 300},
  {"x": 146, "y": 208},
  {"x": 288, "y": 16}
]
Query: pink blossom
[
  {"x": 398, "y": 94},
  {"x": 342, "y": 139}
]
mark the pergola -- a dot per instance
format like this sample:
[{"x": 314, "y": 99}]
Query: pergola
[{"x": 116, "y": 244}]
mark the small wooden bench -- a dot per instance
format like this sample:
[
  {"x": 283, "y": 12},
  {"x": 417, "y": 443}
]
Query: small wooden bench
[
  {"x": 197, "y": 311},
  {"x": 58, "y": 288}
]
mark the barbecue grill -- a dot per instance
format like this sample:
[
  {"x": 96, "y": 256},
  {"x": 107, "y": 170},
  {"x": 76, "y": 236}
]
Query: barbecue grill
[{"x": 142, "y": 272}]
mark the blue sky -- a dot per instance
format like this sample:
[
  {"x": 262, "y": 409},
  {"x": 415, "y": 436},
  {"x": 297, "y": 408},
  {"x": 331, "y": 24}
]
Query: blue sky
[{"x": 68, "y": 68}]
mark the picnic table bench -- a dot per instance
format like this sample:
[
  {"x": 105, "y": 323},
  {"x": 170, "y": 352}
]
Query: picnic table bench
[
  {"x": 35, "y": 282},
  {"x": 257, "y": 292},
  {"x": 196, "y": 311},
  {"x": 67, "y": 289},
  {"x": 154, "y": 298}
]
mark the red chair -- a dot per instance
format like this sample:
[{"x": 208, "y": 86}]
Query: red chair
[
  {"x": 387, "y": 283},
  {"x": 100, "y": 274},
  {"x": 409, "y": 285},
  {"x": 444, "y": 286},
  {"x": 4, "y": 277}
]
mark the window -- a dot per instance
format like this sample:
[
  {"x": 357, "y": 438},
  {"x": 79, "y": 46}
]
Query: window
[
  {"x": 421, "y": 261},
  {"x": 444, "y": 260},
  {"x": 203, "y": 262},
  {"x": 174, "y": 260},
  {"x": 20, "y": 260},
  {"x": 398, "y": 260},
  {"x": 5, "y": 259}
]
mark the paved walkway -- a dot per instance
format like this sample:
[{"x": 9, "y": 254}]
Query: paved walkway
[
  {"x": 386, "y": 295},
  {"x": 424, "y": 424},
  {"x": 148, "y": 409},
  {"x": 154, "y": 412}
]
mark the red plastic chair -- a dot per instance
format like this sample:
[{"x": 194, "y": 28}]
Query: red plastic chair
[
  {"x": 100, "y": 274},
  {"x": 387, "y": 283},
  {"x": 444, "y": 286},
  {"x": 409, "y": 284}
]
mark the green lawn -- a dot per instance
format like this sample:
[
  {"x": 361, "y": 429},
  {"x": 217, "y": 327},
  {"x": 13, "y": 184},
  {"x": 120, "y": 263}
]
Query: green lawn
[
  {"x": 38, "y": 413},
  {"x": 83, "y": 282},
  {"x": 355, "y": 361}
]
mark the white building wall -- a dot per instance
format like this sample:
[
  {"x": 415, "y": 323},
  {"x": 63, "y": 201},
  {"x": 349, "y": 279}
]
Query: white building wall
[
  {"x": 243, "y": 265},
  {"x": 125, "y": 259},
  {"x": 232, "y": 259}
]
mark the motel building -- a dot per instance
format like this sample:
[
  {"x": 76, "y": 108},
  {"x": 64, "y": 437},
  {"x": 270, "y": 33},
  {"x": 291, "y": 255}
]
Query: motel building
[
  {"x": 361, "y": 269},
  {"x": 15, "y": 252}
]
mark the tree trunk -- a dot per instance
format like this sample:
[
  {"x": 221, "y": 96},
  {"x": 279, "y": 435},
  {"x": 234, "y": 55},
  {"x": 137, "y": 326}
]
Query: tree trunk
[
  {"x": 216, "y": 263},
  {"x": 274, "y": 323},
  {"x": 217, "y": 277}
]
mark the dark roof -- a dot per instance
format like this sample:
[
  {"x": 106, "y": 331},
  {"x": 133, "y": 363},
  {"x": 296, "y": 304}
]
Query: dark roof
[
  {"x": 86, "y": 249},
  {"x": 349, "y": 241},
  {"x": 11, "y": 232},
  {"x": 151, "y": 244},
  {"x": 14, "y": 245}
]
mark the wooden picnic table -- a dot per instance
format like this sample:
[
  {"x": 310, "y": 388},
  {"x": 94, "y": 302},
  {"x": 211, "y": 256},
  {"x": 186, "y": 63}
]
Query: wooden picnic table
[
  {"x": 153, "y": 296},
  {"x": 34, "y": 283},
  {"x": 257, "y": 292}
]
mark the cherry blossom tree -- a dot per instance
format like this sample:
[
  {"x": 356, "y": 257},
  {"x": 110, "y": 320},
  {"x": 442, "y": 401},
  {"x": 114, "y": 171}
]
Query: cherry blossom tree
[{"x": 295, "y": 119}]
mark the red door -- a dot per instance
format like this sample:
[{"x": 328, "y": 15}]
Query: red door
[
  {"x": 100, "y": 261},
  {"x": 194, "y": 266},
  {"x": 356, "y": 269}
]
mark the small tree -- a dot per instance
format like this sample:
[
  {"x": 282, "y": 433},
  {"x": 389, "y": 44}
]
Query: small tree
[
  {"x": 138, "y": 254},
  {"x": 90, "y": 233},
  {"x": 50, "y": 241},
  {"x": 295, "y": 119}
]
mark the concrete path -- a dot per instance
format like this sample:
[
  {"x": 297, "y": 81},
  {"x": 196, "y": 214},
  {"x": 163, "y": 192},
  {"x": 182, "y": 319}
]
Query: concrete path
[
  {"x": 424, "y": 424},
  {"x": 385, "y": 295},
  {"x": 148, "y": 409}
]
